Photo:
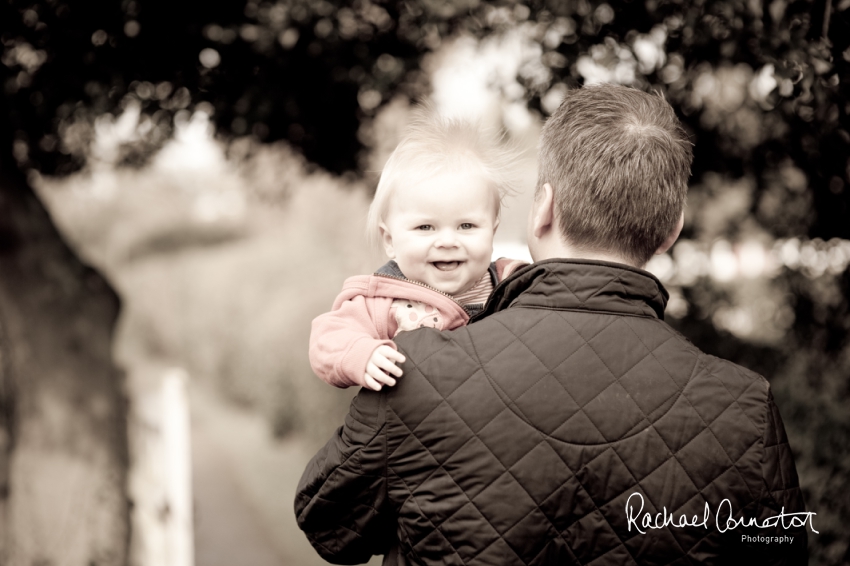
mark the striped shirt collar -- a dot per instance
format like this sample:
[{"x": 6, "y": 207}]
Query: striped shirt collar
[{"x": 478, "y": 293}]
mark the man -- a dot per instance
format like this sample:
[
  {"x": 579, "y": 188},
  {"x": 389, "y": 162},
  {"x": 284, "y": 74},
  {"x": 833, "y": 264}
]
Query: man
[{"x": 568, "y": 424}]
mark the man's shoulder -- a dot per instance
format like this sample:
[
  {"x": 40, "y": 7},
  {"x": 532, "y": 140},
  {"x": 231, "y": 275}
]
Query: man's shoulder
[
  {"x": 709, "y": 383},
  {"x": 729, "y": 398},
  {"x": 438, "y": 353},
  {"x": 731, "y": 376}
]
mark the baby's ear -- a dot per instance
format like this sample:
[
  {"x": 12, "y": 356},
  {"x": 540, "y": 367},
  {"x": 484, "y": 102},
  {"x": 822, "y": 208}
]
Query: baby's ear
[{"x": 387, "y": 240}]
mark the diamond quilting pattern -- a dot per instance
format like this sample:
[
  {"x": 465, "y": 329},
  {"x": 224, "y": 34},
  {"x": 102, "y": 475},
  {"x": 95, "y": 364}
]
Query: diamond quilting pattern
[
  {"x": 730, "y": 419},
  {"x": 592, "y": 536},
  {"x": 738, "y": 380},
  {"x": 655, "y": 335},
  {"x": 585, "y": 285},
  {"x": 660, "y": 544},
  {"x": 567, "y": 504},
  {"x": 476, "y": 399},
  {"x": 588, "y": 324},
  {"x": 473, "y": 468},
  {"x": 541, "y": 472},
  {"x": 515, "y": 360},
  {"x": 539, "y": 424},
  {"x": 670, "y": 485},
  {"x": 436, "y": 543},
  {"x": 552, "y": 340},
  {"x": 710, "y": 398},
  {"x": 440, "y": 485},
  {"x": 530, "y": 535},
  {"x": 614, "y": 401},
  {"x": 499, "y": 552},
  {"x": 443, "y": 431},
  {"x": 613, "y": 511},
  {"x": 500, "y": 511},
  {"x": 703, "y": 459},
  {"x": 677, "y": 356},
  {"x": 467, "y": 456},
  {"x": 466, "y": 526},
  {"x": 618, "y": 348},
  {"x": 605, "y": 477},
  {"x": 410, "y": 464},
  {"x": 579, "y": 429},
  {"x": 645, "y": 453},
  {"x": 498, "y": 338},
  {"x": 427, "y": 397},
  {"x": 509, "y": 438},
  {"x": 718, "y": 489},
  {"x": 648, "y": 384},
  {"x": 547, "y": 404},
  {"x": 453, "y": 370},
  {"x": 678, "y": 426},
  {"x": 585, "y": 376}
]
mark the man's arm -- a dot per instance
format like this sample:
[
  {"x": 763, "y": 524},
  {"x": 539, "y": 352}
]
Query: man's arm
[
  {"x": 781, "y": 495},
  {"x": 341, "y": 503}
]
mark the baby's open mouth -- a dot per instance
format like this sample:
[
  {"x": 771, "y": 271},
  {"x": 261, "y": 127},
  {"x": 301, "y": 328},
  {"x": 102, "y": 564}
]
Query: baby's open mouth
[{"x": 446, "y": 265}]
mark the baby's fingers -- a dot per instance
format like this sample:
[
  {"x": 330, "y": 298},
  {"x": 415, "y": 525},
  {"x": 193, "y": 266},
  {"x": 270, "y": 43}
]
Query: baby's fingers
[
  {"x": 378, "y": 376},
  {"x": 394, "y": 356},
  {"x": 386, "y": 358},
  {"x": 386, "y": 365},
  {"x": 371, "y": 383}
]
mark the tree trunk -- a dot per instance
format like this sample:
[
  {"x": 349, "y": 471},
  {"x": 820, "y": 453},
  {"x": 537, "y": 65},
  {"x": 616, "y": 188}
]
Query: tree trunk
[{"x": 63, "y": 447}]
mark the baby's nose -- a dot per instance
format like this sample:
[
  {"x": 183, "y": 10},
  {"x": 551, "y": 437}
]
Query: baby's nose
[{"x": 446, "y": 238}]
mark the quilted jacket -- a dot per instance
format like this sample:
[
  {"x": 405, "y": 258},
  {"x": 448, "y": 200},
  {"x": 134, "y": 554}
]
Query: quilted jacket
[{"x": 545, "y": 432}]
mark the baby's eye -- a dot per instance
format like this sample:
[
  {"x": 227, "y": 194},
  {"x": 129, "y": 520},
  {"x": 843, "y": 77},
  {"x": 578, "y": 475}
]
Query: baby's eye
[
  {"x": 425, "y": 227},
  {"x": 467, "y": 226}
]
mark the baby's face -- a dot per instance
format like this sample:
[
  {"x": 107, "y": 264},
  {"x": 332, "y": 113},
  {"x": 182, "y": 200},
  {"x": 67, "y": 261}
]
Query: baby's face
[{"x": 440, "y": 231}]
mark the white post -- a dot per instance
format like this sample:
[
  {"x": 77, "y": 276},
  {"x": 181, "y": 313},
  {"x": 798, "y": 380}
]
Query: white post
[{"x": 179, "y": 547}]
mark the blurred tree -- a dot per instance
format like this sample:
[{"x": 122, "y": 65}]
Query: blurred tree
[
  {"x": 762, "y": 87},
  {"x": 303, "y": 71}
]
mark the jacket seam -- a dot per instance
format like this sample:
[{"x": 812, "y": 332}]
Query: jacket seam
[
  {"x": 539, "y": 432},
  {"x": 440, "y": 466},
  {"x": 421, "y": 511},
  {"x": 525, "y": 419},
  {"x": 585, "y": 310}
]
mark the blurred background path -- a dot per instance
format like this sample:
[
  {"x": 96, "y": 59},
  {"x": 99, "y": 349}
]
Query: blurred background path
[{"x": 244, "y": 487}]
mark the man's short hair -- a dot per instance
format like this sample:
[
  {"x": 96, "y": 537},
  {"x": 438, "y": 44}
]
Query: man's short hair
[{"x": 618, "y": 160}]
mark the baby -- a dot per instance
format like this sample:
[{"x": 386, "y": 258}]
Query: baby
[{"x": 435, "y": 212}]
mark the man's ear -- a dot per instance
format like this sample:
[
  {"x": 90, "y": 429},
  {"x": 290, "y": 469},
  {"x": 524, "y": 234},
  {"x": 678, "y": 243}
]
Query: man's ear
[
  {"x": 673, "y": 236},
  {"x": 387, "y": 240},
  {"x": 543, "y": 212}
]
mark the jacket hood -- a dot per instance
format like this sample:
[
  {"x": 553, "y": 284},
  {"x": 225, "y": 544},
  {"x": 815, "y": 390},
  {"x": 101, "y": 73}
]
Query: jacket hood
[
  {"x": 389, "y": 286},
  {"x": 576, "y": 284}
]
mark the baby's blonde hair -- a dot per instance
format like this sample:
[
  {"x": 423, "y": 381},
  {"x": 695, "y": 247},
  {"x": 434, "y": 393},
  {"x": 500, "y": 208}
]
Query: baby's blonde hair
[{"x": 433, "y": 145}]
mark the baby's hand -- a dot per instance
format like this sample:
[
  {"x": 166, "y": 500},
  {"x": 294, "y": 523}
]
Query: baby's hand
[{"x": 384, "y": 359}]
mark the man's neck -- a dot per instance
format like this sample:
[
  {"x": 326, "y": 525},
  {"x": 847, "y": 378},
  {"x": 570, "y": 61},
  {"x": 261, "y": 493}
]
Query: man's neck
[{"x": 559, "y": 249}]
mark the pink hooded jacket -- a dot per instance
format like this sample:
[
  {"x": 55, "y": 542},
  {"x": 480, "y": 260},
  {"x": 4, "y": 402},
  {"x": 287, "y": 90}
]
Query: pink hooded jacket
[{"x": 342, "y": 340}]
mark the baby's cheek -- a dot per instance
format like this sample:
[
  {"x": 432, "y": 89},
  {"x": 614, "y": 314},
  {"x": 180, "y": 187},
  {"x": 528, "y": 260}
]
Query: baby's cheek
[{"x": 484, "y": 248}]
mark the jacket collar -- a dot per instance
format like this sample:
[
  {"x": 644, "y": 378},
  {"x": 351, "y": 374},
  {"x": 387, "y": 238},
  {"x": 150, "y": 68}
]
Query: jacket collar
[
  {"x": 577, "y": 284},
  {"x": 392, "y": 269}
]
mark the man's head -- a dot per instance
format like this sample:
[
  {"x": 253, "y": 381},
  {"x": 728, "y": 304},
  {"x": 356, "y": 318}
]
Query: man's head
[{"x": 615, "y": 162}]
